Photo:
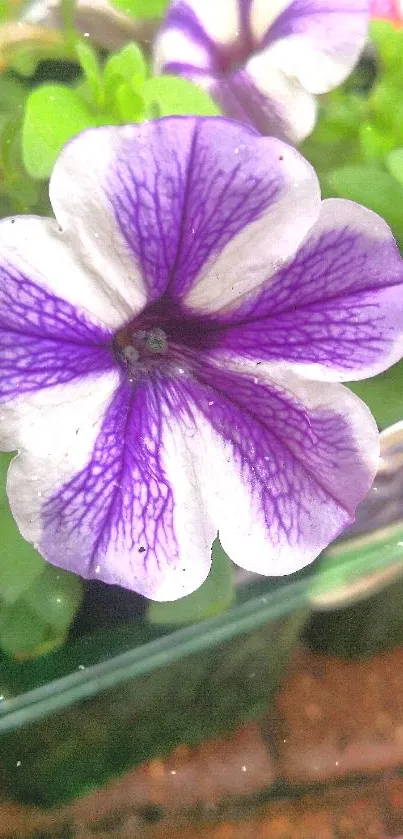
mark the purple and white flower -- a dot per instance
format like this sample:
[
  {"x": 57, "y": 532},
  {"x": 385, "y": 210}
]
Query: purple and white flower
[
  {"x": 171, "y": 349},
  {"x": 264, "y": 61}
]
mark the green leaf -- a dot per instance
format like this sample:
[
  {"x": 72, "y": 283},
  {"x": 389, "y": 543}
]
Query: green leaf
[
  {"x": 383, "y": 394},
  {"x": 20, "y": 564},
  {"x": 335, "y": 137},
  {"x": 375, "y": 142},
  {"x": 10, "y": 148},
  {"x": 53, "y": 115},
  {"x": 373, "y": 187},
  {"x": 142, "y": 8},
  {"x": 12, "y": 94},
  {"x": 215, "y": 595},
  {"x": 394, "y": 162},
  {"x": 389, "y": 46},
  {"x": 353, "y": 569},
  {"x": 128, "y": 103},
  {"x": 166, "y": 95},
  {"x": 91, "y": 69},
  {"x": 26, "y": 61},
  {"x": 23, "y": 192},
  {"x": 55, "y": 597},
  {"x": 5, "y": 458},
  {"x": 5, "y": 11},
  {"x": 124, "y": 75},
  {"x": 21, "y": 632},
  {"x": 128, "y": 64}
]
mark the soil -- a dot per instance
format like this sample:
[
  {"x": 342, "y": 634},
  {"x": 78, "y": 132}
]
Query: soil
[{"x": 325, "y": 763}]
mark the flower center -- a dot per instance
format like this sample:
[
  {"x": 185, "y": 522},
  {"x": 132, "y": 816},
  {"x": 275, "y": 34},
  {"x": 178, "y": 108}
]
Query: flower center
[
  {"x": 149, "y": 342},
  {"x": 139, "y": 351}
]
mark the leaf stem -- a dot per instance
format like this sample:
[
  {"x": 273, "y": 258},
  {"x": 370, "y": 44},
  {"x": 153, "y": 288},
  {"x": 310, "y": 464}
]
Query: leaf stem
[{"x": 67, "y": 10}]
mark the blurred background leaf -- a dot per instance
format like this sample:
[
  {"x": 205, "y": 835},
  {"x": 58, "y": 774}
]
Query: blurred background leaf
[
  {"x": 372, "y": 186},
  {"x": 37, "y": 601},
  {"x": 53, "y": 115},
  {"x": 142, "y": 8},
  {"x": 383, "y": 394},
  {"x": 166, "y": 95}
]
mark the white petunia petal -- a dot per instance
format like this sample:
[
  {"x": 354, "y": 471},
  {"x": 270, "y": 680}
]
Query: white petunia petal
[
  {"x": 335, "y": 312},
  {"x": 47, "y": 256},
  {"x": 220, "y": 21},
  {"x": 80, "y": 194},
  {"x": 54, "y": 430},
  {"x": 284, "y": 463},
  {"x": 301, "y": 60},
  {"x": 288, "y": 102},
  {"x": 263, "y": 14},
  {"x": 290, "y": 204}
]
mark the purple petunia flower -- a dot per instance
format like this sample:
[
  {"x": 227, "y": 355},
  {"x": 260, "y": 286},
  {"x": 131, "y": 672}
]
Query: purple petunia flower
[
  {"x": 170, "y": 352},
  {"x": 263, "y": 61}
]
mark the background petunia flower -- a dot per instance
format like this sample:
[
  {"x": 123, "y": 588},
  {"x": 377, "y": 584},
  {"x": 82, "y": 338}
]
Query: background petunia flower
[
  {"x": 171, "y": 349},
  {"x": 391, "y": 10},
  {"x": 264, "y": 60}
]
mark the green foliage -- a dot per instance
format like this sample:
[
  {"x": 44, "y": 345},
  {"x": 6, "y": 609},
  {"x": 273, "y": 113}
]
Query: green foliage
[
  {"x": 335, "y": 136},
  {"x": 53, "y": 115},
  {"x": 128, "y": 65},
  {"x": 383, "y": 394},
  {"x": 363, "y": 130},
  {"x": 142, "y": 9},
  {"x": 20, "y": 564},
  {"x": 165, "y": 95},
  {"x": 388, "y": 41},
  {"x": 54, "y": 598},
  {"x": 354, "y": 568},
  {"x": 91, "y": 70},
  {"x": 394, "y": 162},
  {"x": 372, "y": 186},
  {"x": 120, "y": 92},
  {"x": 37, "y": 602}
]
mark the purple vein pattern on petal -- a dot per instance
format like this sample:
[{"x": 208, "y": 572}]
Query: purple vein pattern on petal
[
  {"x": 338, "y": 305},
  {"x": 290, "y": 463},
  {"x": 282, "y": 480},
  {"x": 120, "y": 504},
  {"x": 184, "y": 189},
  {"x": 44, "y": 341},
  {"x": 128, "y": 516},
  {"x": 328, "y": 22},
  {"x": 262, "y": 61},
  {"x": 168, "y": 197}
]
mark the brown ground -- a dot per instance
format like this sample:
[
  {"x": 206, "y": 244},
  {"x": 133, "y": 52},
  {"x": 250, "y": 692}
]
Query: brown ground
[{"x": 324, "y": 764}]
